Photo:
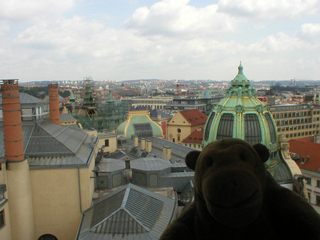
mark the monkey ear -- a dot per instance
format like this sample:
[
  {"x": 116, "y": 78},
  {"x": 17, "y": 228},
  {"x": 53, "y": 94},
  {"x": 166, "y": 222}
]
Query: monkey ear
[
  {"x": 262, "y": 151},
  {"x": 191, "y": 159}
]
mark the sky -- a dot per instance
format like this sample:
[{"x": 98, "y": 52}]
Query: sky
[{"x": 168, "y": 39}]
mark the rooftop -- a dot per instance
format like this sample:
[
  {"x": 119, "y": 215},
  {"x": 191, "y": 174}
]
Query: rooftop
[
  {"x": 131, "y": 212},
  {"x": 194, "y": 117},
  {"x": 308, "y": 152},
  {"x": 195, "y": 137}
]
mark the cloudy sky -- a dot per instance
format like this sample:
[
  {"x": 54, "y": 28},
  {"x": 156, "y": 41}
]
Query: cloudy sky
[{"x": 168, "y": 39}]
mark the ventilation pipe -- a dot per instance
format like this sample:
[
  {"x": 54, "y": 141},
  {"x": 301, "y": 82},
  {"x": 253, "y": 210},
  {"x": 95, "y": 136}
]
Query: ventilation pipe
[
  {"x": 135, "y": 141},
  {"x": 167, "y": 152},
  {"x": 143, "y": 144},
  {"x": 149, "y": 146}
]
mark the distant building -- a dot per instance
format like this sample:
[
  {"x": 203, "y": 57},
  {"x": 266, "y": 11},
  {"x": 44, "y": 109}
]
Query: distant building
[
  {"x": 183, "y": 123},
  {"x": 195, "y": 139},
  {"x": 296, "y": 120},
  {"x": 103, "y": 116},
  {"x": 305, "y": 151},
  {"x": 157, "y": 115},
  {"x": 152, "y": 102},
  {"x": 140, "y": 124},
  {"x": 182, "y": 104}
]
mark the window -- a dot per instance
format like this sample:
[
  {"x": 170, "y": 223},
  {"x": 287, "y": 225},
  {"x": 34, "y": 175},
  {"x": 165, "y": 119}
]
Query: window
[
  {"x": 116, "y": 179},
  {"x": 225, "y": 129},
  {"x": 47, "y": 237},
  {"x": 179, "y": 130},
  {"x": 252, "y": 129},
  {"x": 2, "y": 222},
  {"x": 140, "y": 178},
  {"x": 271, "y": 128},
  {"x": 143, "y": 129},
  {"x": 308, "y": 180},
  {"x": 106, "y": 142},
  {"x": 208, "y": 126},
  {"x": 153, "y": 180},
  {"x": 102, "y": 181},
  {"x": 318, "y": 183},
  {"x": 318, "y": 200}
]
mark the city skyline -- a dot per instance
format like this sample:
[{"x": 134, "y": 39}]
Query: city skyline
[{"x": 168, "y": 39}]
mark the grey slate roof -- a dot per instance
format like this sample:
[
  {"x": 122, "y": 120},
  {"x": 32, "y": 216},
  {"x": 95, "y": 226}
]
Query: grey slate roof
[
  {"x": 118, "y": 155},
  {"x": 50, "y": 145},
  {"x": 26, "y": 99},
  {"x": 111, "y": 165},
  {"x": 150, "y": 164},
  {"x": 130, "y": 212},
  {"x": 178, "y": 151},
  {"x": 67, "y": 117}
]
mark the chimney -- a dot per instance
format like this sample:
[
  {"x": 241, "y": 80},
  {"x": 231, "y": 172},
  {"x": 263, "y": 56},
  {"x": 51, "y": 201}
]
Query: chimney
[
  {"x": 143, "y": 144},
  {"x": 12, "y": 128},
  {"x": 18, "y": 176},
  {"x": 54, "y": 104},
  {"x": 149, "y": 146},
  {"x": 135, "y": 141},
  {"x": 167, "y": 152}
]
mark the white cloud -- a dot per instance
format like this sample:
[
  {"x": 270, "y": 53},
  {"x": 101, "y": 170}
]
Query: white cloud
[
  {"x": 32, "y": 10},
  {"x": 170, "y": 40},
  {"x": 270, "y": 9},
  {"x": 177, "y": 18},
  {"x": 310, "y": 32}
]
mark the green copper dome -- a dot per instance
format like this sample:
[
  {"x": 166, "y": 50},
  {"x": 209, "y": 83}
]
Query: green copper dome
[
  {"x": 241, "y": 115},
  {"x": 139, "y": 124}
]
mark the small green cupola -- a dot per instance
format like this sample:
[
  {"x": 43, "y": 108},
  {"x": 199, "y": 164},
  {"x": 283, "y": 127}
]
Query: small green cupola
[
  {"x": 110, "y": 98},
  {"x": 240, "y": 80},
  {"x": 72, "y": 99}
]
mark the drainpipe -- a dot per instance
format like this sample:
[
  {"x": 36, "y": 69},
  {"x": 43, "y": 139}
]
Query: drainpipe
[{"x": 79, "y": 185}]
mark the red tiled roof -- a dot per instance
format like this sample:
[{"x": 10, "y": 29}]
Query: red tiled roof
[
  {"x": 306, "y": 139},
  {"x": 305, "y": 147},
  {"x": 194, "y": 117},
  {"x": 195, "y": 137}
]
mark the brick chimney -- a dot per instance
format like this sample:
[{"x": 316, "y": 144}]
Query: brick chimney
[
  {"x": 12, "y": 127},
  {"x": 18, "y": 176},
  {"x": 54, "y": 104}
]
